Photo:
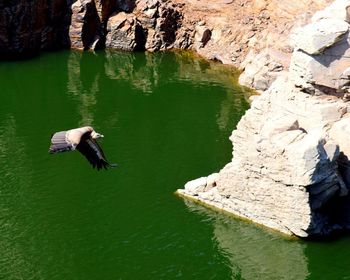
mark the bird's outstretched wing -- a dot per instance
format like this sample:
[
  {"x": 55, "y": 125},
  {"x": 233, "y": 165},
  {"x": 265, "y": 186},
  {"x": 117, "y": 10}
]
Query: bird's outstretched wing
[
  {"x": 94, "y": 154},
  {"x": 59, "y": 143}
]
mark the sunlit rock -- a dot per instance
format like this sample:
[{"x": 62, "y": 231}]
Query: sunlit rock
[
  {"x": 317, "y": 36},
  {"x": 124, "y": 32},
  {"x": 338, "y": 9},
  {"x": 321, "y": 59},
  {"x": 261, "y": 70}
]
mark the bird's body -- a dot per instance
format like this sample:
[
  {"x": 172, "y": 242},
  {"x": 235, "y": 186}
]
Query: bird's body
[{"x": 82, "y": 139}]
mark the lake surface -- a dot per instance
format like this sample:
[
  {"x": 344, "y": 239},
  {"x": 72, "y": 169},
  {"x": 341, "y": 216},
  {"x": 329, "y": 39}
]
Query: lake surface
[{"x": 166, "y": 118}]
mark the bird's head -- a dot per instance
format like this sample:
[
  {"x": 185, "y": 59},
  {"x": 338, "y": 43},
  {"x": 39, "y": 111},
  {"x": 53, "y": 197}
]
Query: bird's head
[{"x": 95, "y": 135}]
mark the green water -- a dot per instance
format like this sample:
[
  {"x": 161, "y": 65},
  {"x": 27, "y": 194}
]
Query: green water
[{"x": 166, "y": 119}]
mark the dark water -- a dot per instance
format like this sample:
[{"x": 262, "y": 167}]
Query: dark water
[{"x": 166, "y": 119}]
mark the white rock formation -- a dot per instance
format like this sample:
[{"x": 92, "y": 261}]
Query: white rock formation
[
  {"x": 290, "y": 169},
  {"x": 319, "y": 35}
]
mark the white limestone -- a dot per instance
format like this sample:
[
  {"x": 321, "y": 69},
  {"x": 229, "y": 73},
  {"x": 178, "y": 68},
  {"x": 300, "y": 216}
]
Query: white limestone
[{"x": 290, "y": 169}]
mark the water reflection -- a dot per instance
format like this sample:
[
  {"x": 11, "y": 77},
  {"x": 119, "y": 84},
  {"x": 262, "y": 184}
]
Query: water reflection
[
  {"x": 141, "y": 70},
  {"x": 255, "y": 253},
  {"x": 145, "y": 72},
  {"x": 83, "y": 90}
]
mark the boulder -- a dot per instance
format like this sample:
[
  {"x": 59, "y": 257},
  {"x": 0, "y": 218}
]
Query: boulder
[
  {"x": 124, "y": 32},
  {"x": 314, "y": 38},
  {"x": 329, "y": 70},
  {"x": 339, "y": 9},
  {"x": 195, "y": 186}
]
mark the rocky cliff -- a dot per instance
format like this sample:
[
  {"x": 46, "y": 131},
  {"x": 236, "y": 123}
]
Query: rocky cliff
[
  {"x": 26, "y": 27},
  {"x": 290, "y": 169},
  {"x": 223, "y": 30}
]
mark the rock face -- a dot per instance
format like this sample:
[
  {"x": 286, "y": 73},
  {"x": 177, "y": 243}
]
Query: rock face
[
  {"x": 152, "y": 25},
  {"x": 290, "y": 169},
  {"x": 125, "y": 33},
  {"x": 29, "y": 26},
  {"x": 220, "y": 30},
  {"x": 86, "y": 29},
  {"x": 128, "y": 25}
]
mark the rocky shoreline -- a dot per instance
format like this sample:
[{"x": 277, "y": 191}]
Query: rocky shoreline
[{"x": 290, "y": 169}]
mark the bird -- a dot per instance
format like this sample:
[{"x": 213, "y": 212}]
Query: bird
[{"x": 82, "y": 139}]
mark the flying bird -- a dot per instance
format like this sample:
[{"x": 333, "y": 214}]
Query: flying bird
[{"x": 82, "y": 139}]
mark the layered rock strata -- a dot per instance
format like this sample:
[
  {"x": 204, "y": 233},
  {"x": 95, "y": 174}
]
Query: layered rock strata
[{"x": 290, "y": 169}]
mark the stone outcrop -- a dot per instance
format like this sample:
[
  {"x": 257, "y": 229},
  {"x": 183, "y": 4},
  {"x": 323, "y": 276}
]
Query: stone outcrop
[
  {"x": 290, "y": 169},
  {"x": 153, "y": 25},
  {"x": 128, "y": 25}
]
